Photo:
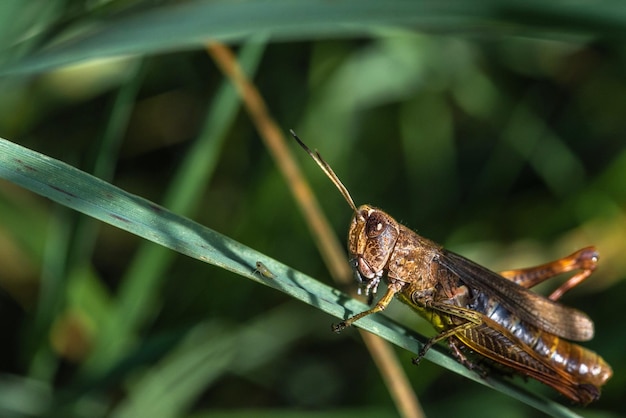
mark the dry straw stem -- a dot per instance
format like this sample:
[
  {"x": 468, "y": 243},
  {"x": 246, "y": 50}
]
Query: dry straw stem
[{"x": 325, "y": 239}]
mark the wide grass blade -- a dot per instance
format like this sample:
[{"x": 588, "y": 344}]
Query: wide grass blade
[{"x": 191, "y": 24}]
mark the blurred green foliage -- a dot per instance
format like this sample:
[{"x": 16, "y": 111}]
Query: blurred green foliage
[{"x": 494, "y": 129}]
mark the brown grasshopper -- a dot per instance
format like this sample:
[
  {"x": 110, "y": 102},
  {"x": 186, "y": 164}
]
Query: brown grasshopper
[{"x": 493, "y": 316}]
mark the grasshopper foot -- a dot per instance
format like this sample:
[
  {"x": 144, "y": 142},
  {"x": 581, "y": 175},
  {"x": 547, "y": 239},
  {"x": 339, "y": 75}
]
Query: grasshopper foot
[
  {"x": 337, "y": 328},
  {"x": 416, "y": 360}
]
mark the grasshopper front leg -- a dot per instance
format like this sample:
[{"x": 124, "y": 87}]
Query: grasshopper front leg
[{"x": 392, "y": 289}]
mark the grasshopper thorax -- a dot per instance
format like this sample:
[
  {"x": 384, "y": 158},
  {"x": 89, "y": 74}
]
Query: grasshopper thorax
[{"x": 371, "y": 239}]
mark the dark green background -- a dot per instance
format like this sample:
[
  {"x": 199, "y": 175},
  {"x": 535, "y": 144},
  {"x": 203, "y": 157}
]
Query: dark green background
[{"x": 498, "y": 132}]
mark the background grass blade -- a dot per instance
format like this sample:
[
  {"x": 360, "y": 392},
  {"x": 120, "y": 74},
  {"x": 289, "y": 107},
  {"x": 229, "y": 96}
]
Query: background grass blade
[
  {"x": 159, "y": 29},
  {"x": 142, "y": 280}
]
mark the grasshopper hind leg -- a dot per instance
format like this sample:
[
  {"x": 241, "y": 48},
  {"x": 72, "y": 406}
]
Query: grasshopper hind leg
[
  {"x": 585, "y": 260},
  {"x": 457, "y": 348},
  {"x": 424, "y": 350}
]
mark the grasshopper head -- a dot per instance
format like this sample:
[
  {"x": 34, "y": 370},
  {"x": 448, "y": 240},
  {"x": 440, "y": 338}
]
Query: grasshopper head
[
  {"x": 371, "y": 240},
  {"x": 372, "y": 235}
]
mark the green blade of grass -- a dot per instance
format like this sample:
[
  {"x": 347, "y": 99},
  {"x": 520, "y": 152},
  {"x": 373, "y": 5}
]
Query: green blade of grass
[
  {"x": 141, "y": 281},
  {"x": 73, "y": 239},
  {"x": 160, "y": 29},
  {"x": 209, "y": 351},
  {"x": 168, "y": 388}
]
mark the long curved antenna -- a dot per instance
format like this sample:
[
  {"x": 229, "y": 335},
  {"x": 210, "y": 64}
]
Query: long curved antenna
[{"x": 328, "y": 171}]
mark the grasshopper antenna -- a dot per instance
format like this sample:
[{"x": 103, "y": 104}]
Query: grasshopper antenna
[{"x": 328, "y": 171}]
